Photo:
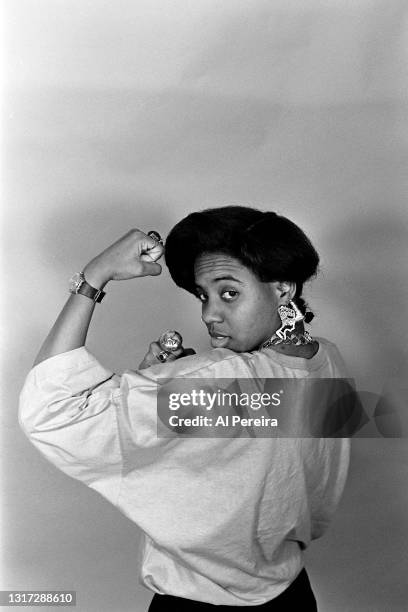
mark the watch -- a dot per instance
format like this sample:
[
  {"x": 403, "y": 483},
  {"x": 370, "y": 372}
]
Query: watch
[{"x": 78, "y": 284}]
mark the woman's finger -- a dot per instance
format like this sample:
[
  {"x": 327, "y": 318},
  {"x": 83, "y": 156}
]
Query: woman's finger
[
  {"x": 150, "y": 269},
  {"x": 156, "y": 355},
  {"x": 152, "y": 252}
]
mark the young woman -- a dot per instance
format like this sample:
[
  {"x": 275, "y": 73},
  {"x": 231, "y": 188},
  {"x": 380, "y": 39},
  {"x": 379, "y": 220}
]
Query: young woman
[{"x": 225, "y": 519}]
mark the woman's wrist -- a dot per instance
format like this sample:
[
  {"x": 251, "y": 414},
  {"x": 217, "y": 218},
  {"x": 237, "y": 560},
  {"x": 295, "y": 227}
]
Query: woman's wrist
[{"x": 96, "y": 274}]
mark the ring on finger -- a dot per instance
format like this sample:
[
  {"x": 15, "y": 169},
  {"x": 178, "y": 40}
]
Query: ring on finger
[
  {"x": 163, "y": 356},
  {"x": 156, "y": 236},
  {"x": 170, "y": 340}
]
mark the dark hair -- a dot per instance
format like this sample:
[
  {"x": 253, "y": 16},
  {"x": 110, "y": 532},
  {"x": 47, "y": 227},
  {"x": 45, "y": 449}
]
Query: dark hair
[{"x": 271, "y": 246}]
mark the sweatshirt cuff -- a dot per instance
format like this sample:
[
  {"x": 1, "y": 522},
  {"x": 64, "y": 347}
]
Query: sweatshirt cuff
[{"x": 76, "y": 360}]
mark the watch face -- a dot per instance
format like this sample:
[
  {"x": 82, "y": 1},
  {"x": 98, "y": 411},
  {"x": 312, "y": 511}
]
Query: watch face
[{"x": 75, "y": 282}]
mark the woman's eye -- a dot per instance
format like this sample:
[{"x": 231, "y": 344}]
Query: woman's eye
[
  {"x": 202, "y": 297},
  {"x": 229, "y": 295}
]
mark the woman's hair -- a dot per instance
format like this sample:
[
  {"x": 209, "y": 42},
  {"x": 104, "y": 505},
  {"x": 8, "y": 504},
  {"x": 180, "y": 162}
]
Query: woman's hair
[{"x": 271, "y": 246}]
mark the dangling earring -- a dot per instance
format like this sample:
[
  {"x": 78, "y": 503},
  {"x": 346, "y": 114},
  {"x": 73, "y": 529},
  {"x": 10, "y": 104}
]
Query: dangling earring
[{"x": 289, "y": 315}]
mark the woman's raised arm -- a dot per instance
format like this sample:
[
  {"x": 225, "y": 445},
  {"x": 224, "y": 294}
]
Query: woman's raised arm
[{"x": 134, "y": 255}]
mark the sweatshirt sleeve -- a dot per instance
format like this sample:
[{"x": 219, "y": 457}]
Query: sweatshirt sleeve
[
  {"x": 67, "y": 410},
  {"x": 91, "y": 423}
]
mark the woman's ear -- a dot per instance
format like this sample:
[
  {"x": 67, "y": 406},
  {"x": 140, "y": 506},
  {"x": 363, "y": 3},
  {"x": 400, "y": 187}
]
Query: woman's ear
[{"x": 286, "y": 291}]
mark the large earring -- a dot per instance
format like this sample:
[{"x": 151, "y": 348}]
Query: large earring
[{"x": 289, "y": 315}]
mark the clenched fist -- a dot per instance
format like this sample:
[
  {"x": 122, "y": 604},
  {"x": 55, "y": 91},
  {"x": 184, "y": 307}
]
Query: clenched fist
[
  {"x": 151, "y": 357},
  {"x": 132, "y": 256}
]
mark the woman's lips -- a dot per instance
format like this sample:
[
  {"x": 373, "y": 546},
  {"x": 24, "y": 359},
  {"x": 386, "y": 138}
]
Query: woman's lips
[{"x": 218, "y": 340}]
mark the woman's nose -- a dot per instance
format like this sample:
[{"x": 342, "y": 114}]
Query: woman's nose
[{"x": 211, "y": 313}]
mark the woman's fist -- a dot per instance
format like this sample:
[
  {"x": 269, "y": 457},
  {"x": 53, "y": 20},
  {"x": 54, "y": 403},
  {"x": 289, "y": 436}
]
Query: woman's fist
[
  {"x": 135, "y": 254},
  {"x": 152, "y": 355}
]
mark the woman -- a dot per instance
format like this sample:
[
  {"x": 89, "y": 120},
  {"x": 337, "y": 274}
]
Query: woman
[{"x": 225, "y": 520}]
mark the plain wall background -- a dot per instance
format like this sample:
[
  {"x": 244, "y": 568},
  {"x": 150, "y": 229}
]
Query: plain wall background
[{"x": 135, "y": 113}]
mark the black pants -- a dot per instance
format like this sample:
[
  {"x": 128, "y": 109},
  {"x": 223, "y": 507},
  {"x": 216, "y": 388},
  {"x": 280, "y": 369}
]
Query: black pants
[{"x": 298, "y": 597}]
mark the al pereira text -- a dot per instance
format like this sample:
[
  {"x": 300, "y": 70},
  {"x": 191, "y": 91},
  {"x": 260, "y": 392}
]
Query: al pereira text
[{"x": 222, "y": 421}]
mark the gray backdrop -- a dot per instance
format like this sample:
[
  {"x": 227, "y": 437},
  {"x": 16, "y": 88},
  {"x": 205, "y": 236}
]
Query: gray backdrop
[{"x": 136, "y": 112}]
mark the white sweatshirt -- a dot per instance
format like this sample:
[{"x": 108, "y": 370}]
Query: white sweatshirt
[{"x": 224, "y": 520}]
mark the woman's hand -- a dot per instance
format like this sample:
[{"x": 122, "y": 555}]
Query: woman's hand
[
  {"x": 151, "y": 357},
  {"x": 135, "y": 254}
]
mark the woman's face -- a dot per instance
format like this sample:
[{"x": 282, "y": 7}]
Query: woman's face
[{"x": 240, "y": 311}]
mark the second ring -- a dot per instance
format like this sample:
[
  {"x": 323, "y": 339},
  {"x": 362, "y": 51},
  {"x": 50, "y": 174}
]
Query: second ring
[{"x": 163, "y": 356}]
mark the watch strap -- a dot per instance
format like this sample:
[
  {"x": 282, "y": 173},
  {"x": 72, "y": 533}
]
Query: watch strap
[
  {"x": 78, "y": 284},
  {"x": 86, "y": 289}
]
